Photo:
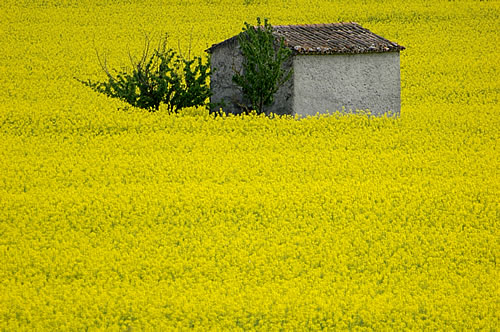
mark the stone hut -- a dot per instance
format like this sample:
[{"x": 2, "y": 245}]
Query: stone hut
[{"x": 338, "y": 66}]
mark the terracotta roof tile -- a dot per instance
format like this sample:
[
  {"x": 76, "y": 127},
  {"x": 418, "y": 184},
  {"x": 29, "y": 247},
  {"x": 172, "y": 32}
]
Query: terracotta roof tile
[{"x": 334, "y": 38}]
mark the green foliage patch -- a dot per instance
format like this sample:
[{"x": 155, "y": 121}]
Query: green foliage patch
[{"x": 262, "y": 73}]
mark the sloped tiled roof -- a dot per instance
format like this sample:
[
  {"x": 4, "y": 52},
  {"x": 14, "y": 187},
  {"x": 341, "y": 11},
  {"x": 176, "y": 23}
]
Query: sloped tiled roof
[{"x": 333, "y": 38}]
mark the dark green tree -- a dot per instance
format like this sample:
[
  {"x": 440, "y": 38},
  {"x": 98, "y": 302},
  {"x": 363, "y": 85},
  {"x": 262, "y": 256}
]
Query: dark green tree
[
  {"x": 160, "y": 77},
  {"x": 262, "y": 73}
]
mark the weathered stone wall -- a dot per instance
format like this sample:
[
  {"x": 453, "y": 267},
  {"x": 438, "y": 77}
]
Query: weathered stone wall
[
  {"x": 354, "y": 82},
  {"x": 225, "y": 60},
  {"x": 225, "y": 94}
]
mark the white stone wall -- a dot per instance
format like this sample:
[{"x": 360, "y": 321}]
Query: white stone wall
[{"x": 355, "y": 81}]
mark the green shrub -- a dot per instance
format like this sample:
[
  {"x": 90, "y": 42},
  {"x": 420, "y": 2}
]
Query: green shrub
[
  {"x": 160, "y": 77},
  {"x": 262, "y": 74}
]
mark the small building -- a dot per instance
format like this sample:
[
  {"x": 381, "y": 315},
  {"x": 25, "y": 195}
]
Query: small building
[{"x": 338, "y": 66}]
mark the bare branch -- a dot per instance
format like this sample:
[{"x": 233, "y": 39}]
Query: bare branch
[
  {"x": 160, "y": 45},
  {"x": 132, "y": 61},
  {"x": 102, "y": 64},
  {"x": 190, "y": 43},
  {"x": 145, "y": 50}
]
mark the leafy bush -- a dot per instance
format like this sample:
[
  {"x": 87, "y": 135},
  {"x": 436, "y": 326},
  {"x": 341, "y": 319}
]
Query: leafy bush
[
  {"x": 162, "y": 77},
  {"x": 262, "y": 74}
]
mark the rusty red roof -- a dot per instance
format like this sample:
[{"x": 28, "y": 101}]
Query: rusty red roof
[{"x": 332, "y": 38}]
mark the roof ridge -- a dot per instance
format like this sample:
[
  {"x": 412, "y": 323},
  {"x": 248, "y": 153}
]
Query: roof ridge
[{"x": 316, "y": 24}]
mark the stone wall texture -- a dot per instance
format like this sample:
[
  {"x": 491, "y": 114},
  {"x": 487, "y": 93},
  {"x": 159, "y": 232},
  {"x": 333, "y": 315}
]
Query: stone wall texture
[{"x": 347, "y": 82}]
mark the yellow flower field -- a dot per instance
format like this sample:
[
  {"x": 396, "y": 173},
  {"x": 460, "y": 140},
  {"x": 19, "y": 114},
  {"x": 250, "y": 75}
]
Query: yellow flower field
[{"x": 118, "y": 219}]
